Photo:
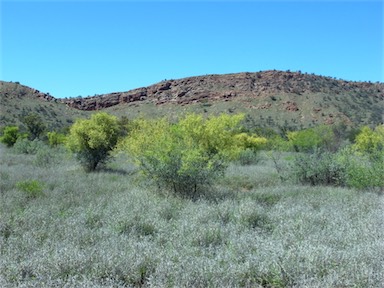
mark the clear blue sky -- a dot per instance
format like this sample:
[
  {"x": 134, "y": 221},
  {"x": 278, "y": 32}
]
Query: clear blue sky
[{"x": 72, "y": 48}]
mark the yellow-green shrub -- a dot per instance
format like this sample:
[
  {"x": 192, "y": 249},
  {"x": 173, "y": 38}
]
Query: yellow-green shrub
[
  {"x": 55, "y": 138},
  {"x": 10, "y": 135},
  {"x": 93, "y": 139},
  {"x": 369, "y": 140},
  {"x": 186, "y": 156}
]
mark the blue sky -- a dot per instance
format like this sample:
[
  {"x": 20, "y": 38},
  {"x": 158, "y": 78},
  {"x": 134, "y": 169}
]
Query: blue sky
[{"x": 72, "y": 48}]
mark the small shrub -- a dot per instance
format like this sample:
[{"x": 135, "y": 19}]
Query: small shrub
[
  {"x": 55, "y": 138},
  {"x": 47, "y": 157},
  {"x": 255, "y": 220},
  {"x": 32, "y": 188},
  {"x": 370, "y": 141},
  {"x": 364, "y": 171},
  {"x": 310, "y": 139},
  {"x": 10, "y": 135},
  {"x": 319, "y": 168},
  {"x": 248, "y": 157},
  {"x": 25, "y": 146}
]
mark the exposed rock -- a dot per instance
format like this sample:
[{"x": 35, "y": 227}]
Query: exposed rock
[
  {"x": 266, "y": 85},
  {"x": 290, "y": 106}
]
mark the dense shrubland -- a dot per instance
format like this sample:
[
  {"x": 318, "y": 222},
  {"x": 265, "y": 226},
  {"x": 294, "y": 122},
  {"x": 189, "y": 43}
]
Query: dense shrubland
[
  {"x": 188, "y": 156},
  {"x": 254, "y": 211}
]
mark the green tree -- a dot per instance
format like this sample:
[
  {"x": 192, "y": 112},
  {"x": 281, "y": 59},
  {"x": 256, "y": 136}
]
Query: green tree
[
  {"x": 35, "y": 125},
  {"x": 187, "y": 156},
  {"x": 93, "y": 139},
  {"x": 10, "y": 135}
]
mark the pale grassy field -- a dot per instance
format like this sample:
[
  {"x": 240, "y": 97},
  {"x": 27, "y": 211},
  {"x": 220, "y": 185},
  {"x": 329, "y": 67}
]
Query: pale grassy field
[{"x": 107, "y": 229}]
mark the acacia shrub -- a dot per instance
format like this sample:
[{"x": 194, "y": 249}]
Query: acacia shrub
[
  {"x": 370, "y": 141},
  {"x": 93, "y": 139},
  {"x": 10, "y": 135},
  {"x": 185, "y": 157}
]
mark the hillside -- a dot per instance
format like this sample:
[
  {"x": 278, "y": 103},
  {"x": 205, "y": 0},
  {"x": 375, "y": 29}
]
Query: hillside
[
  {"x": 269, "y": 98},
  {"x": 18, "y": 100}
]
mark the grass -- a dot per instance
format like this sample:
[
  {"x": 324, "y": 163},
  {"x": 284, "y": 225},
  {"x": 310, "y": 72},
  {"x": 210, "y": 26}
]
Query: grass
[{"x": 104, "y": 230}]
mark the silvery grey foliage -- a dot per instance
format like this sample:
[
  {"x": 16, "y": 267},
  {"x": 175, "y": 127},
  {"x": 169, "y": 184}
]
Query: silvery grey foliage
[{"x": 102, "y": 230}]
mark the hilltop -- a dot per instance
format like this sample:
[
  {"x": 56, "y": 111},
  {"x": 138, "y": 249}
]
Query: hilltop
[
  {"x": 269, "y": 98},
  {"x": 19, "y": 100}
]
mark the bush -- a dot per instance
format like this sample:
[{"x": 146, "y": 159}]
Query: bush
[
  {"x": 34, "y": 124},
  {"x": 32, "y": 188},
  {"x": 10, "y": 135},
  {"x": 370, "y": 141},
  {"x": 92, "y": 140},
  {"x": 49, "y": 156},
  {"x": 311, "y": 139},
  {"x": 248, "y": 157},
  {"x": 55, "y": 138},
  {"x": 188, "y": 156},
  {"x": 319, "y": 168},
  {"x": 25, "y": 146},
  {"x": 363, "y": 171}
]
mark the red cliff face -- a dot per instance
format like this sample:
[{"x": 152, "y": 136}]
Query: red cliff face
[{"x": 227, "y": 86}]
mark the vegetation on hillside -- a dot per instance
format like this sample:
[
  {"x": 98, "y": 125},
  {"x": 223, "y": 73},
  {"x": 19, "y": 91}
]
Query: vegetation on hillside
[{"x": 282, "y": 100}]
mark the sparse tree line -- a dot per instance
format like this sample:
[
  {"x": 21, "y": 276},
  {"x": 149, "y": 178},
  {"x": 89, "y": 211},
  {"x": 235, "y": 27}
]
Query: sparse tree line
[{"x": 187, "y": 156}]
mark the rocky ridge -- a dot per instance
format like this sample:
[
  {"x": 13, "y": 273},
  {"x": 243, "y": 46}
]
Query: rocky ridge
[{"x": 228, "y": 86}]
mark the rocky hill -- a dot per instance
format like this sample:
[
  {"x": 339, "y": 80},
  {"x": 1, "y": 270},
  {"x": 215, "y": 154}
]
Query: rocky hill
[
  {"x": 269, "y": 98},
  {"x": 19, "y": 100},
  {"x": 228, "y": 86}
]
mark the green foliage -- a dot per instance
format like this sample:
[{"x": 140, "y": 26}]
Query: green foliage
[
  {"x": 318, "y": 168},
  {"x": 92, "y": 140},
  {"x": 366, "y": 174},
  {"x": 32, "y": 188},
  {"x": 370, "y": 141},
  {"x": 363, "y": 171},
  {"x": 248, "y": 157},
  {"x": 50, "y": 156},
  {"x": 187, "y": 156},
  {"x": 343, "y": 168},
  {"x": 26, "y": 146},
  {"x": 55, "y": 138},
  {"x": 252, "y": 142},
  {"x": 278, "y": 143},
  {"x": 310, "y": 139},
  {"x": 35, "y": 125},
  {"x": 10, "y": 135}
]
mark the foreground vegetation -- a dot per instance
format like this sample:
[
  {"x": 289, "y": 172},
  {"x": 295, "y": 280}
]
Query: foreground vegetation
[
  {"x": 194, "y": 202},
  {"x": 63, "y": 227}
]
